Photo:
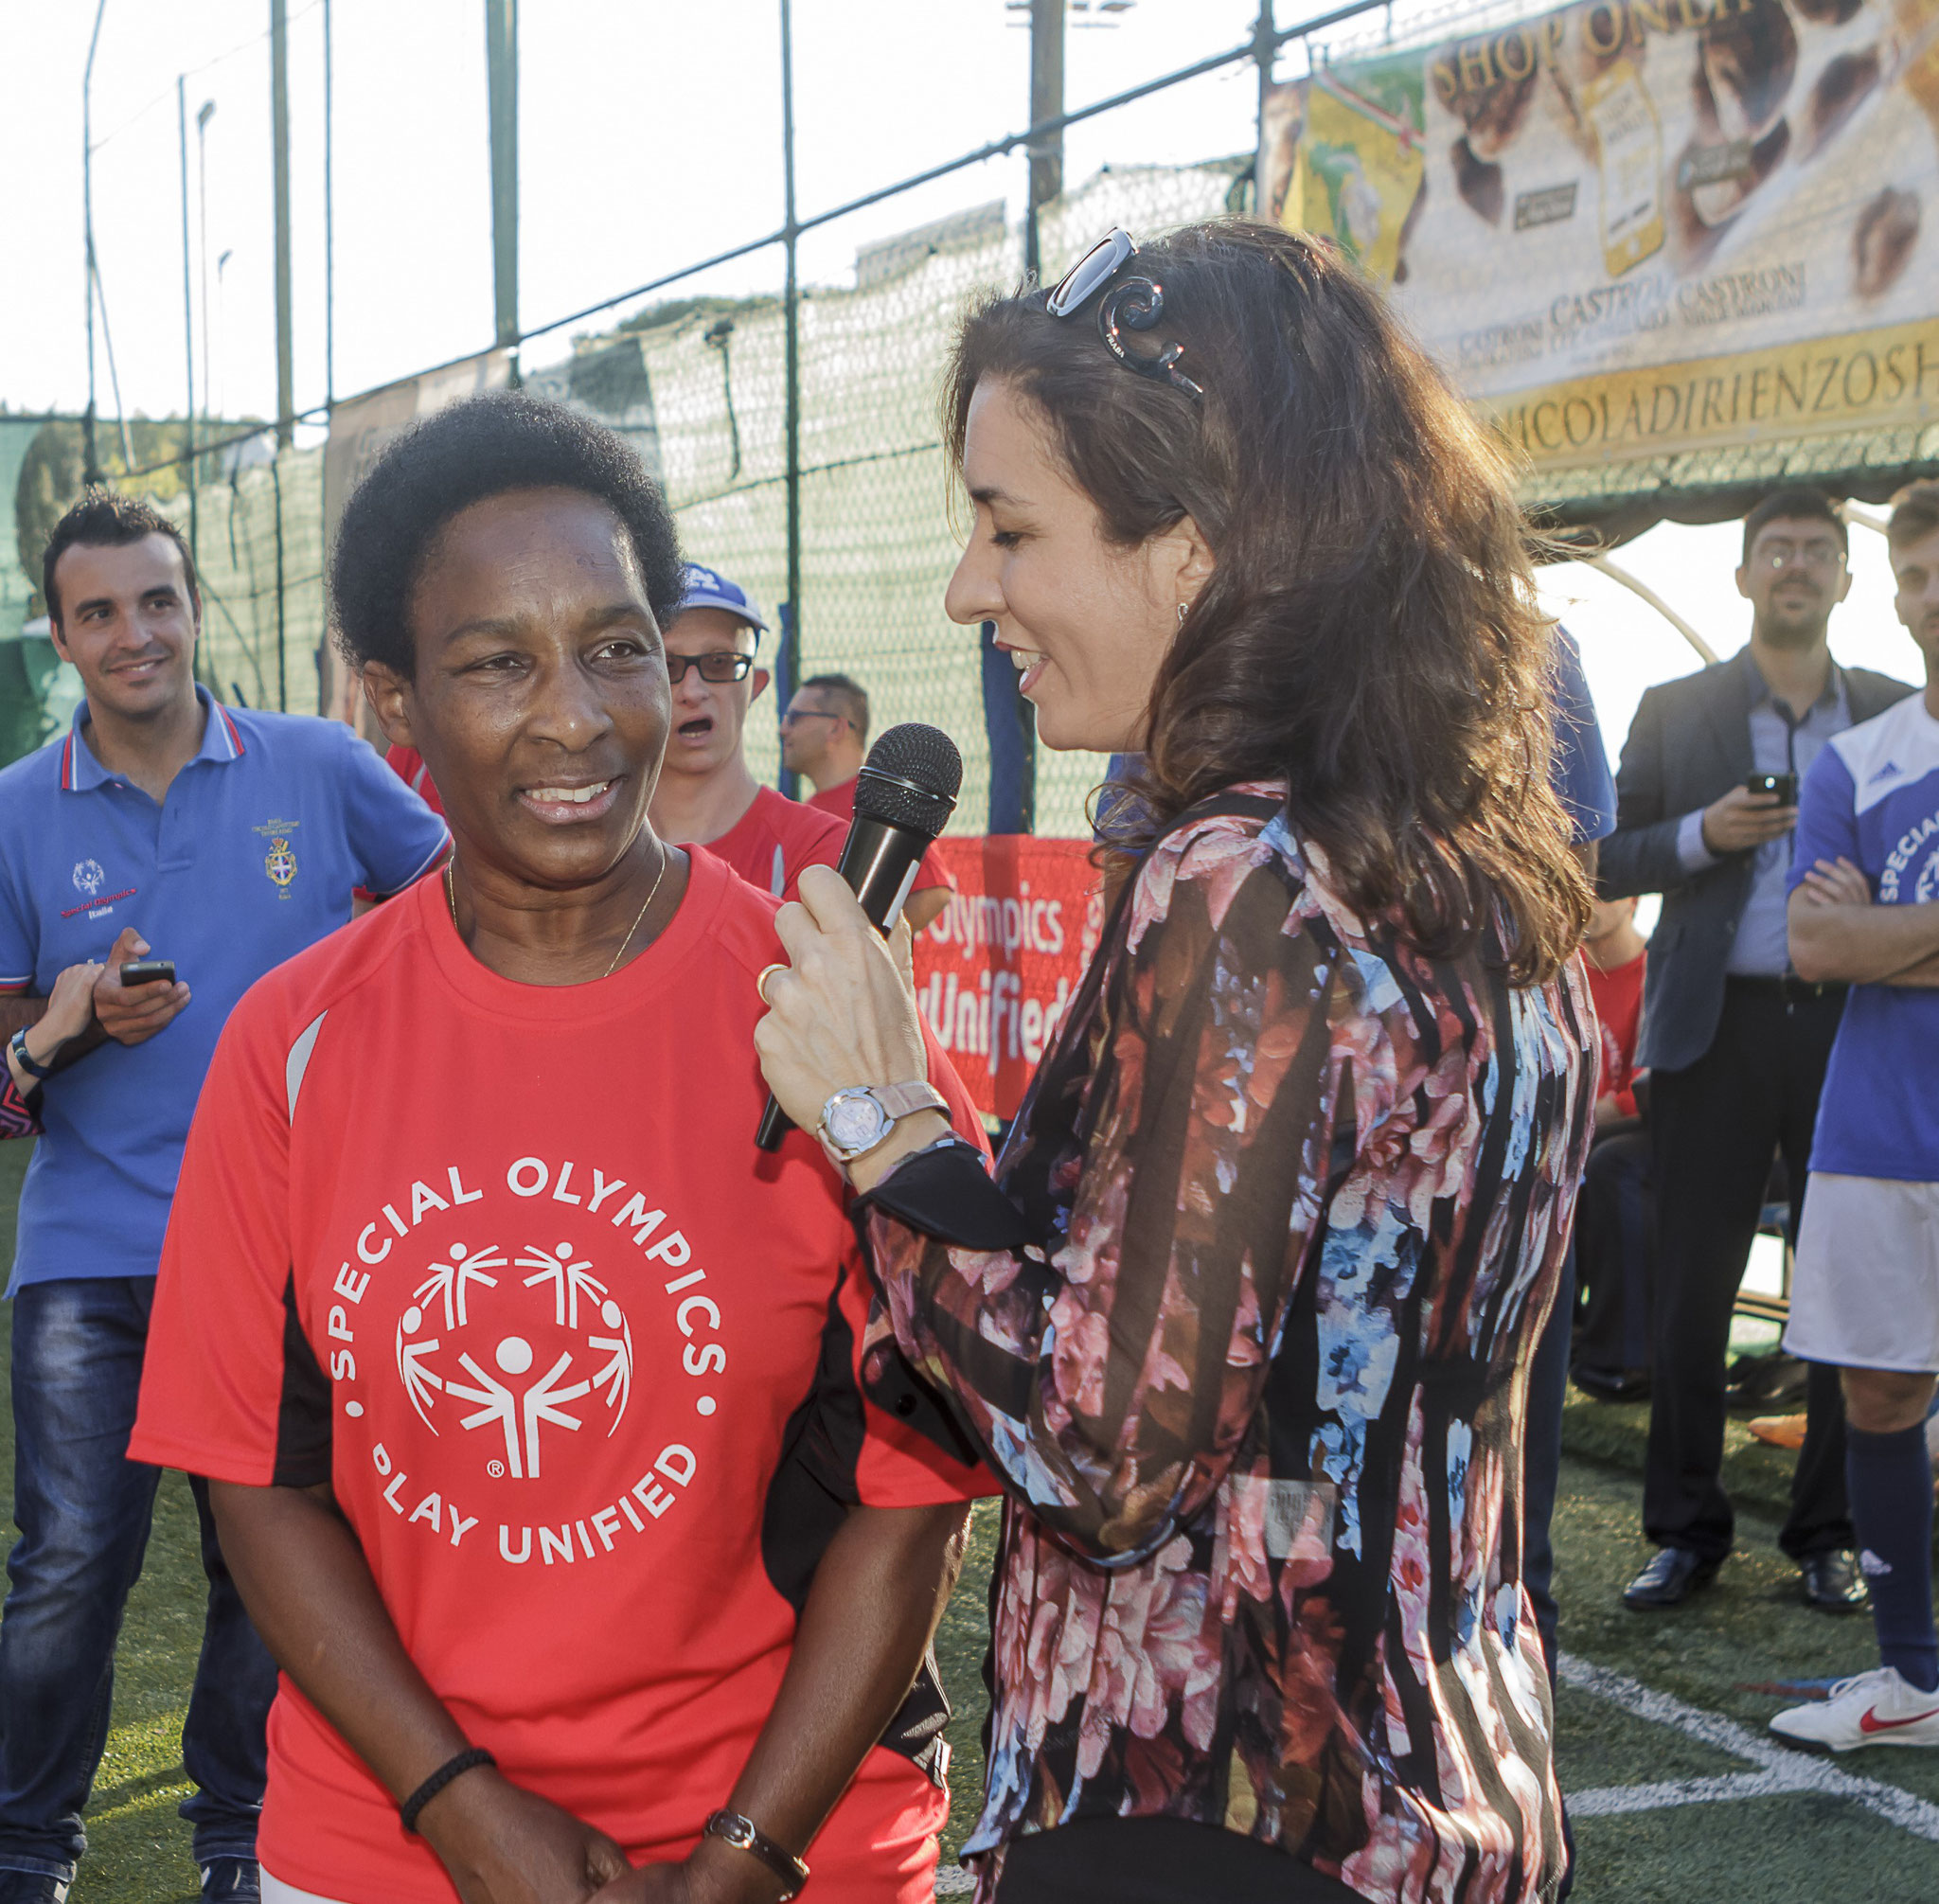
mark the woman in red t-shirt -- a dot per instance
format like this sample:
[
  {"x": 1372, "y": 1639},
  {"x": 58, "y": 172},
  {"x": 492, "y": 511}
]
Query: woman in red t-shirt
[{"x": 541, "y": 1440}]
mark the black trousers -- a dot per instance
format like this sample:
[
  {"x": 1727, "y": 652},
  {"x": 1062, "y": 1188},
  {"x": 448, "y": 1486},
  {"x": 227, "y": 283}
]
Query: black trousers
[
  {"x": 1615, "y": 1247},
  {"x": 1156, "y": 1860},
  {"x": 1714, "y": 1125}
]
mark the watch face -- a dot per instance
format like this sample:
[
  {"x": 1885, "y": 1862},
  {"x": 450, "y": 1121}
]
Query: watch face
[{"x": 854, "y": 1121}]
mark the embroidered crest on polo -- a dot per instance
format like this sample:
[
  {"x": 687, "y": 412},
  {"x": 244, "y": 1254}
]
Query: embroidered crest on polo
[
  {"x": 279, "y": 863},
  {"x": 88, "y": 878}
]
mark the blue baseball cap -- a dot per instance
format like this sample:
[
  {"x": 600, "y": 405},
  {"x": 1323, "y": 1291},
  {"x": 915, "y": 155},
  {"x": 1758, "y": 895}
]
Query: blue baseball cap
[{"x": 709, "y": 588}]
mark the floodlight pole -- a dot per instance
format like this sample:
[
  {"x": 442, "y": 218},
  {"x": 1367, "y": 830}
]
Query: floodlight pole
[
  {"x": 92, "y": 472},
  {"x": 789, "y": 661},
  {"x": 330, "y": 219},
  {"x": 187, "y": 313},
  {"x": 1046, "y": 102},
  {"x": 280, "y": 140},
  {"x": 502, "y": 84}
]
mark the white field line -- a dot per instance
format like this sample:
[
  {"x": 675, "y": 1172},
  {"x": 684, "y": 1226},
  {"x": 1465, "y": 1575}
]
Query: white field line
[{"x": 1781, "y": 1770}]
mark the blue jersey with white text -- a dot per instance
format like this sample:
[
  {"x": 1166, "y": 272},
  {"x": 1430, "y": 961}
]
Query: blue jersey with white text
[{"x": 1872, "y": 797}]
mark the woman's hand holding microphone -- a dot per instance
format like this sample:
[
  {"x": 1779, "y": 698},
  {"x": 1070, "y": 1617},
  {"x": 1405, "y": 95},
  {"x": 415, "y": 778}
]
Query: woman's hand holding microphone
[{"x": 842, "y": 1013}]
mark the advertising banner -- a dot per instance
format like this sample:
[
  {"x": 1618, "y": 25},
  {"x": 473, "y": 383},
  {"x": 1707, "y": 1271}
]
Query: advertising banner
[
  {"x": 996, "y": 971},
  {"x": 1637, "y": 227}
]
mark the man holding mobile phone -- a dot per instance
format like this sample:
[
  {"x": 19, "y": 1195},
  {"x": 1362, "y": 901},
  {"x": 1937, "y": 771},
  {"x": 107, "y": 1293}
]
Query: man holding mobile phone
[
  {"x": 232, "y": 840},
  {"x": 1735, "y": 1042}
]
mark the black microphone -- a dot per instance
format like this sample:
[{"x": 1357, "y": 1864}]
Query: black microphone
[{"x": 903, "y": 798}]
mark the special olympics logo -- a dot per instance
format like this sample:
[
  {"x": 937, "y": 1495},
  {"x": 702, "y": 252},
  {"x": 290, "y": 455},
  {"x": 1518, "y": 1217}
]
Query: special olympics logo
[
  {"x": 524, "y": 1360},
  {"x": 1925, "y": 887},
  {"x": 89, "y": 877}
]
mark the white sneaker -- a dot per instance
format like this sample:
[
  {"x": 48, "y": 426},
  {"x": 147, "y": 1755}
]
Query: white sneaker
[{"x": 1874, "y": 1708}]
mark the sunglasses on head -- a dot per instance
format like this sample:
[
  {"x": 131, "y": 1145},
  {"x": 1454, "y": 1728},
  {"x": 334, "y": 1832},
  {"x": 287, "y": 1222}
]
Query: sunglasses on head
[
  {"x": 719, "y": 667},
  {"x": 1131, "y": 304}
]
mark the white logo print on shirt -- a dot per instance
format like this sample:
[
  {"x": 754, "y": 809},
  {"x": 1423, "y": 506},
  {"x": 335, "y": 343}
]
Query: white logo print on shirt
[
  {"x": 453, "y": 1360},
  {"x": 1913, "y": 862},
  {"x": 511, "y": 1357}
]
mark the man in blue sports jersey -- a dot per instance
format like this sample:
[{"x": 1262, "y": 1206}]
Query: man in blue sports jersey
[
  {"x": 1864, "y": 909},
  {"x": 227, "y": 841}
]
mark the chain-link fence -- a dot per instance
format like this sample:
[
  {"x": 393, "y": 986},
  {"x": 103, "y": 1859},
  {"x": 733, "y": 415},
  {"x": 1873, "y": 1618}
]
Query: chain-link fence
[
  {"x": 876, "y": 532},
  {"x": 700, "y": 381}
]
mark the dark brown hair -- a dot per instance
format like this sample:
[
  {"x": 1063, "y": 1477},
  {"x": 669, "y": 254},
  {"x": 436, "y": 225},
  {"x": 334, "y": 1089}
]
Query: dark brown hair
[
  {"x": 106, "y": 518},
  {"x": 1795, "y": 503},
  {"x": 850, "y": 696},
  {"x": 1370, "y": 633},
  {"x": 1915, "y": 514}
]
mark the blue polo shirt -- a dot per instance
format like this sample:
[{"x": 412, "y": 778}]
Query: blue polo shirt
[
  {"x": 1872, "y": 797},
  {"x": 251, "y": 858}
]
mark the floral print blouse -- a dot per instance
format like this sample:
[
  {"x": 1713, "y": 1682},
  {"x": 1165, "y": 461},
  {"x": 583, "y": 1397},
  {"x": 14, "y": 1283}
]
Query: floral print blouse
[{"x": 1244, "y": 1323}]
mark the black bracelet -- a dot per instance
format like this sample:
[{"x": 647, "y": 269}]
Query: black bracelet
[{"x": 468, "y": 1760}]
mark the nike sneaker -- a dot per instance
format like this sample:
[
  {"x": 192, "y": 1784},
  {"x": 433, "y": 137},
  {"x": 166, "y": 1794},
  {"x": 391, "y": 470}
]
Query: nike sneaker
[{"x": 1874, "y": 1708}]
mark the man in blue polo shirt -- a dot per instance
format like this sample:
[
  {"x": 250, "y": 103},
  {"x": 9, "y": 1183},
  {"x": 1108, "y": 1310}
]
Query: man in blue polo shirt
[
  {"x": 225, "y": 841},
  {"x": 1864, "y": 909}
]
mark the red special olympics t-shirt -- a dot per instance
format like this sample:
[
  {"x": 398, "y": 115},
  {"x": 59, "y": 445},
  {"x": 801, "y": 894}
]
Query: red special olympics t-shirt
[
  {"x": 771, "y": 842},
  {"x": 840, "y": 801},
  {"x": 501, "y": 1263}
]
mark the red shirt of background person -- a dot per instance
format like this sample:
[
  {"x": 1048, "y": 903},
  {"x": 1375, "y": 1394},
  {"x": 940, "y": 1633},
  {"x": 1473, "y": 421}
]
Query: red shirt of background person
[
  {"x": 1616, "y": 956},
  {"x": 585, "y": 1472},
  {"x": 825, "y": 739}
]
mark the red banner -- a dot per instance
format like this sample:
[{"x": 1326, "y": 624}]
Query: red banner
[{"x": 995, "y": 972}]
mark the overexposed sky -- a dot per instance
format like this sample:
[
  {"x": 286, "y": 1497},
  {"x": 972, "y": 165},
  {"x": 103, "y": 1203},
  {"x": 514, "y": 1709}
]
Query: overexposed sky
[{"x": 649, "y": 138}]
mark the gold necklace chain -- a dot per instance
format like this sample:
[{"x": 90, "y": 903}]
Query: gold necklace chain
[{"x": 451, "y": 899}]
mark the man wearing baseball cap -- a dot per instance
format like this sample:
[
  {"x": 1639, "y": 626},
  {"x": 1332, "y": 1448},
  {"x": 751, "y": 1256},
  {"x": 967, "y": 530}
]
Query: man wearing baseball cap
[{"x": 706, "y": 795}]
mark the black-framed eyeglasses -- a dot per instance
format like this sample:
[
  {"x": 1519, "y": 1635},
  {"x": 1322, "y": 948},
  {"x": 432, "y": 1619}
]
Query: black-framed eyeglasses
[
  {"x": 1131, "y": 304},
  {"x": 719, "y": 667},
  {"x": 795, "y": 713}
]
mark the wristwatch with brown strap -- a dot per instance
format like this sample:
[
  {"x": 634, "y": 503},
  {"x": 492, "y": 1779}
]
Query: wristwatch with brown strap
[{"x": 734, "y": 1829}]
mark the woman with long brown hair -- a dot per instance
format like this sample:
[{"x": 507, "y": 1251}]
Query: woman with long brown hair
[{"x": 1243, "y": 1320}]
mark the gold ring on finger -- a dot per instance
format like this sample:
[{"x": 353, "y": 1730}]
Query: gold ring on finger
[{"x": 760, "y": 984}]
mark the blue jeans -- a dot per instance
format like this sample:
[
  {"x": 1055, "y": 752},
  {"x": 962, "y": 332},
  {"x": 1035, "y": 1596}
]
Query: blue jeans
[{"x": 83, "y": 1512}]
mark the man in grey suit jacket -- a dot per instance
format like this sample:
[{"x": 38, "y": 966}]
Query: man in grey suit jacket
[{"x": 1734, "y": 1042}]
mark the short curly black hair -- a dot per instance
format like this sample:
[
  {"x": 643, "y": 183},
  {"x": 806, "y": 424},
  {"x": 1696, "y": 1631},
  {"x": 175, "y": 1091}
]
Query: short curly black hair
[{"x": 467, "y": 453}]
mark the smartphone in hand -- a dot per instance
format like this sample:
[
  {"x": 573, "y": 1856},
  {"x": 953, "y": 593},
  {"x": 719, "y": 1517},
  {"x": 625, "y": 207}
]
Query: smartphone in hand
[
  {"x": 147, "y": 971},
  {"x": 1784, "y": 785}
]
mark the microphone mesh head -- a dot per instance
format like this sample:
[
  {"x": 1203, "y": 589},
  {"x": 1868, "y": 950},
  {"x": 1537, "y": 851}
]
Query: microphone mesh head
[{"x": 911, "y": 778}]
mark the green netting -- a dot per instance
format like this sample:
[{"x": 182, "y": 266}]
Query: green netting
[
  {"x": 877, "y": 546},
  {"x": 260, "y": 641}
]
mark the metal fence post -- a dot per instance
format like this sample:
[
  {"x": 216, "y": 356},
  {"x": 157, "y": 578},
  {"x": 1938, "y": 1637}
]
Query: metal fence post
[
  {"x": 789, "y": 660},
  {"x": 276, "y": 478},
  {"x": 1265, "y": 52},
  {"x": 279, "y": 142}
]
